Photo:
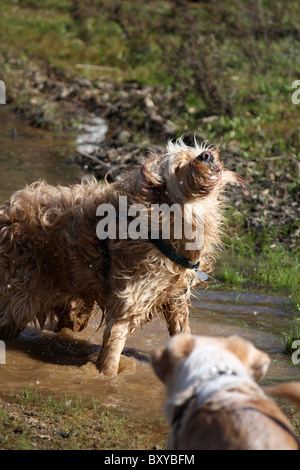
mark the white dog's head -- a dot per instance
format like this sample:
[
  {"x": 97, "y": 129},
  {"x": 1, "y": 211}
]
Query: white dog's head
[{"x": 179, "y": 362}]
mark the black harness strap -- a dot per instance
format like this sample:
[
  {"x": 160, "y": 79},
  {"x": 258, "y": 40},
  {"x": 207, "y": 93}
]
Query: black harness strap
[
  {"x": 172, "y": 255},
  {"x": 158, "y": 243},
  {"x": 106, "y": 257}
]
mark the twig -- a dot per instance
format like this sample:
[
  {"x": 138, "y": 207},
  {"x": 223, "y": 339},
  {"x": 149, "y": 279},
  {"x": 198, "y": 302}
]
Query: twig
[
  {"x": 96, "y": 67},
  {"x": 105, "y": 166}
]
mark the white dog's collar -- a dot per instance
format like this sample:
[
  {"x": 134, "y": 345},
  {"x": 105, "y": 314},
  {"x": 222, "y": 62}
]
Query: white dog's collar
[{"x": 211, "y": 381}]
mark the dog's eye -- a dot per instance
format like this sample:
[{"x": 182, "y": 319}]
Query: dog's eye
[{"x": 206, "y": 156}]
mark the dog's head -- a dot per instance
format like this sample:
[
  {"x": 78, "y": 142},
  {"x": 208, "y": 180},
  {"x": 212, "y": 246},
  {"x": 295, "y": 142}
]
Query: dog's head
[
  {"x": 187, "y": 173},
  {"x": 231, "y": 351}
]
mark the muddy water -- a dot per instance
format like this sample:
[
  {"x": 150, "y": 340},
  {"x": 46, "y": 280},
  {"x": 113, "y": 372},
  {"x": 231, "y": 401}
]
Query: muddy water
[
  {"x": 63, "y": 364},
  {"x": 28, "y": 154}
]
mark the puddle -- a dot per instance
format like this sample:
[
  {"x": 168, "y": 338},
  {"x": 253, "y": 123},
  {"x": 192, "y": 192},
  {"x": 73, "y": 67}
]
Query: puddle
[
  {"x": 259, "y": 318},
  {"x": 65, "y": 365},
  {"x": 28, "y": 154}
]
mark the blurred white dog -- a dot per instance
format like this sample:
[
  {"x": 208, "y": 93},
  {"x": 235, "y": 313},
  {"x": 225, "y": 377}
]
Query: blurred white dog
[{"x": 214, "y": 402}]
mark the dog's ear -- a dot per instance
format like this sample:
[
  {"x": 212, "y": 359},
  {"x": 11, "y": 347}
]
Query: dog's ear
[
  {"x": 151, "y": 171},
  {"x": 165, "y": 358},
  {"x": 256, "y": 362},
  {"x": 151, "y": 181}
]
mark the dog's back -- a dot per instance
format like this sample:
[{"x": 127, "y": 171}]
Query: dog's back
[
  {"x": 48, "y": 244},
  {"x": 249, "y": 425}
]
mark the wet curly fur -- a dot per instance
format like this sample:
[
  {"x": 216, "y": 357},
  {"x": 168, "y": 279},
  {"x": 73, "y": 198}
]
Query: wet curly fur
[{"x": 52, "y": 262}]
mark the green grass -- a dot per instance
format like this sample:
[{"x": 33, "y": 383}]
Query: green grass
[
  {"x": 230, "y": 275},
  {"x": 249, "y": 64},
  {"x": 278, "y": 268},
  {"x": 274, "y": 268},
  {"x": 37, "y": 421}
]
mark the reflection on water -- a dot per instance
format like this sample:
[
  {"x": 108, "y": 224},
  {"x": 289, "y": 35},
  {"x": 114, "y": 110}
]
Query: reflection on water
[
  {"x": 91, "y": 135},
  {"x": 64, "y": 363}
]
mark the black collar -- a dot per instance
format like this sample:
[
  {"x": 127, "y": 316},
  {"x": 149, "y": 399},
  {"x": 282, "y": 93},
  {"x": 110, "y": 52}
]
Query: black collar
[{"x": 171, "y": 254}]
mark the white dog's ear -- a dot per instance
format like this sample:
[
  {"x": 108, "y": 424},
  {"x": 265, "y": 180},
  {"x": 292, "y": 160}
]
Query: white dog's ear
[
  {"x": 165, "y": 358},
  {"x": 256, "y": 362}
]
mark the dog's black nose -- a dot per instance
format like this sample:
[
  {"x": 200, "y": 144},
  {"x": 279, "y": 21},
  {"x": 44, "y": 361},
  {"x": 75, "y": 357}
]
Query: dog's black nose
[{"x": 206, "y": 156}]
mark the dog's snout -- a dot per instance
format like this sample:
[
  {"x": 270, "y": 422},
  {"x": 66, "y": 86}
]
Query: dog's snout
[{"x": 206, "y": 156}]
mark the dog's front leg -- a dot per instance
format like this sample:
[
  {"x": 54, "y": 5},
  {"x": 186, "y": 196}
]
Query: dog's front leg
[
  {"x": 114, "y": 338},
  {"x": 176, "y": 313}
]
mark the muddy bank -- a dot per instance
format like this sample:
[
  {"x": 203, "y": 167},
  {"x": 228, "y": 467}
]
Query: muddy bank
[{"x": 34, "y": 422}]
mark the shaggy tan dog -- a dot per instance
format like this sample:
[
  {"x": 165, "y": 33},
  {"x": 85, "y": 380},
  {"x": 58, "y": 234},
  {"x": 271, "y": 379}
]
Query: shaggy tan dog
[
  {"x": 213, "y": 400},
  {"x": 55, "y": 264}
]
